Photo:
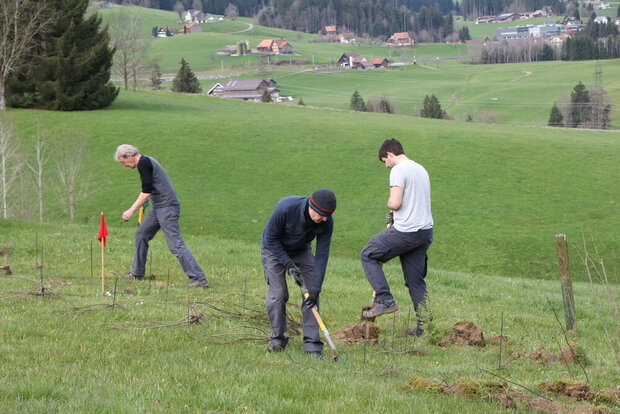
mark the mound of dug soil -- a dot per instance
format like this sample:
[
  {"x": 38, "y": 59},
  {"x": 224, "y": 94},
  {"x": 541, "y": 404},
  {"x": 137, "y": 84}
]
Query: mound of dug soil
[
  {"x": 544, "y": 356},
  {"x": 358, "y": 333},
  {"x": 577, "y": 391},
  {"x": 465, "y": 332}
]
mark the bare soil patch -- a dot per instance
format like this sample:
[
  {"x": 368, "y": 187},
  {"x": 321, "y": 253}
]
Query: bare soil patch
[
  {"x": 358, "y": 333},
  {"x": 465, "y": 332}
]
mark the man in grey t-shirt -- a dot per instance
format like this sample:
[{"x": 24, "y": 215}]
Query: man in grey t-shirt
[
  {"x": 165, "y": 213},
  {"x": 409, "y": 236}
]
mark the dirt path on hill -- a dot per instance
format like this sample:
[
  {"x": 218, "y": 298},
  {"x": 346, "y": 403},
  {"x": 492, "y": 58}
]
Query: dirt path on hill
[
  {"x": 250, "y": 27},
  {"x": 526, "y": 73}
]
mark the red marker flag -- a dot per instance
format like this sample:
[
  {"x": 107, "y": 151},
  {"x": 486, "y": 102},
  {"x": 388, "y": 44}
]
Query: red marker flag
[{"x": 103, "y": 231}]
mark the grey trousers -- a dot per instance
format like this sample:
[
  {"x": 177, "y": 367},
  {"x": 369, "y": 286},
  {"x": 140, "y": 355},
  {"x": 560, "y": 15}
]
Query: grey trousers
[
  {"x": 277, "y": 297},
  {"x": 167, "y": 219},
  {"x": 411, "y": 248}
]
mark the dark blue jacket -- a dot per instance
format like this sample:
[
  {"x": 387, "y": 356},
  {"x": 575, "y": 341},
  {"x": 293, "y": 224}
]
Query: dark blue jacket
[{"x": 290, "y": 231}]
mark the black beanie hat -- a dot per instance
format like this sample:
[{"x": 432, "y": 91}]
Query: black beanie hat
[{"x": 323, "y": 201}]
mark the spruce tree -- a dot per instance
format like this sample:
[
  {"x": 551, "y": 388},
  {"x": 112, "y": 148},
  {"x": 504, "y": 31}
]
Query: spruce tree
[
  {"x": 580, "y": 107},
  {"x": 266, "y": 96},
  {"x": 431, "y": 108},
  {"x": 70, "y": 69},
  {"x": 556, "y": 118},
  {"x": 186, "y": 81},
  {"x": 357, "y": 103}
]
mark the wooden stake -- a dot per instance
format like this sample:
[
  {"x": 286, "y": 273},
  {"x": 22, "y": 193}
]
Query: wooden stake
[
  {"x": 102, "y": 270},
  {"x": 566, "y": 282}
]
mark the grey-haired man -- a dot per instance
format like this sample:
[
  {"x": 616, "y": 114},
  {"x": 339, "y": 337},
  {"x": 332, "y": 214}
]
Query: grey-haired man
[{"x": 164, "y": 215}]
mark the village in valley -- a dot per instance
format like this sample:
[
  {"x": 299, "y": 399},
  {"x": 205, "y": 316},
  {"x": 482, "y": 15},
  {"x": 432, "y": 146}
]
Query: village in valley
[{"x": 554, "y": 31}]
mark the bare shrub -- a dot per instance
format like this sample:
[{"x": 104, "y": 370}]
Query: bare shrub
[
  {"x": 380, "y": 103},
  {"x": 489, "y": 116}
]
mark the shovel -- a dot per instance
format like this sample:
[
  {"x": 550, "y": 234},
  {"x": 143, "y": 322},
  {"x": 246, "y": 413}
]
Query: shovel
[{"x": 322, "y": 326}]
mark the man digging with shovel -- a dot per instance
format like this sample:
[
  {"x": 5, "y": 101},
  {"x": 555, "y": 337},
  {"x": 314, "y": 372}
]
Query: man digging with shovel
[
  {"x": 286, "y": 248},
  {"x": 409, "y": 236},
  {"x": 164, "y": 215}
]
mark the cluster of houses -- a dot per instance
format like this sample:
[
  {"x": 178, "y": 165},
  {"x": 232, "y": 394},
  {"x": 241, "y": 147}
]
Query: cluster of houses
[
  {"x": 331, "y": 35},
  {"x": 557, "y": 32},
  {"x": 197, "y": 16},
  {"x": 191, "y": 24},
  {"x": 400, "y": 39},
  {"x": 267, "y": 47},
  {"x": 512, "y": 17},
  {"x": 352, "y": 60}
]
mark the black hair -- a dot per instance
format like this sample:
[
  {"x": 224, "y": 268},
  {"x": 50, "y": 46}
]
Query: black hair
[{"x": 390, "y": 145}]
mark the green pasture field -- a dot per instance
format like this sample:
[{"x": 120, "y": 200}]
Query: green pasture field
[
  {"x": 200, "y": 49},
  {"x": 74, "y": 350},
  {"x": 520, "y": 94},
  {"x": 500, "y": 194},
  {"x": 516, "y": 94}
]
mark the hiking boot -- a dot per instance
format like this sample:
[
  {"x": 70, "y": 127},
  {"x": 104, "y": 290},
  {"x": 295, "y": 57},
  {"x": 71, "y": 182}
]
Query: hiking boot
[
  {"x": 198, "y": 283},
  {"x": 380, "y": 308},
  {"x": 131, "y": 276},
  {"x": 275, "y": 348},
  {"x": 415, "y": 331},
  {"x": 316, "y": 354}
]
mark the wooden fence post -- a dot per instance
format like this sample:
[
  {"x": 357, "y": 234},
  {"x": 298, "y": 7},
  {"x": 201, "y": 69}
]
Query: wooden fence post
[{"x": 566, "y": 282}]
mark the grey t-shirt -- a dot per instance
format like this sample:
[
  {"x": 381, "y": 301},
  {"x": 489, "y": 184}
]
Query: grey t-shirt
[{"x": 415, "y": 210}]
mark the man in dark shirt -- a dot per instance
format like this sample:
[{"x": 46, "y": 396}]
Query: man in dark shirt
[
  {"x": 157, "y": 187},
  {"x": 286, "y": 247}
]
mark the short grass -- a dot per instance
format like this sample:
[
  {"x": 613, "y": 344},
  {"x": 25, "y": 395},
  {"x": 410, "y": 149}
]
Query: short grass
[
  {"x": 499, "y": 194},
  {"x": 69, "y": 352},
  {"x": 519, "y": 94}
]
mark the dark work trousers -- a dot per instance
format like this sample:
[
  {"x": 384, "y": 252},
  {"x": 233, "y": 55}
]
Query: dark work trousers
[
  {"x": 277, "y": 297},
  {"x": 411, "y": 249},
  {"x": 167, "y": 219}
]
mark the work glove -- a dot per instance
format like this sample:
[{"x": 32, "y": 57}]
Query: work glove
[
  {"x": 295, "y": 273},
  {"x": 311, "y": 300},
  {"x": 389, "y": 218}
]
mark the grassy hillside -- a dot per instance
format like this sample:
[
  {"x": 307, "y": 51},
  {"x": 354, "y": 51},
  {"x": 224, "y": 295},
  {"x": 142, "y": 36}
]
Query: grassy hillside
[
  {"x": 70, "y": 351},
  {"x": 499, "y": 194},
  {"x": 518, "y": 94}
]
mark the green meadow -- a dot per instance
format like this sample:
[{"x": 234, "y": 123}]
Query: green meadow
[
  {"x": 74, "y": 350},
  {"x": 518, "y": 94},
  {"x": 500, "y": 194}
]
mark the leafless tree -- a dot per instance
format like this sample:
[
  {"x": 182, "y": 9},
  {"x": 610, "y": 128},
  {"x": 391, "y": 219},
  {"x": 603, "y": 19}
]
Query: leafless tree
[
  {"x": 10, "y": 162},
  {"x": 130, "y": 59},
  {"x": 21, "y": 21},
  {"x": 41, "y": 157},
  {"x": 231, "y": 12},
  {"x": 74, "y": 179},
  {"x": 601, "y": 107},
  {"x": 180, "y": 9},
  {"x": 197, "y": 5}
]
